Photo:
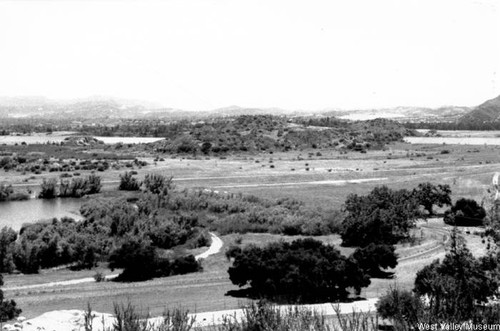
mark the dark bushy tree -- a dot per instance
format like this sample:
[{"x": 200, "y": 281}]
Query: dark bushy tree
[
  {"x": 373, "y": 258},
  {"x": 465, "y": 212},
  {"x": 382, "y": 217},
  {"x": 428, "y": 195},
  {"x": 137, "y": 258},
  {"x": 304, "y": 270}
]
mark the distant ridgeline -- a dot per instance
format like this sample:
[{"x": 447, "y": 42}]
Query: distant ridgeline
[
  {"x": 486, "y": 116},
  {"x": 277, "y": 133}
]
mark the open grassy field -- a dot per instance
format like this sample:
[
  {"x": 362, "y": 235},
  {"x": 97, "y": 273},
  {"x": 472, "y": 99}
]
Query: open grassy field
[{"x": 321, "y": 180}]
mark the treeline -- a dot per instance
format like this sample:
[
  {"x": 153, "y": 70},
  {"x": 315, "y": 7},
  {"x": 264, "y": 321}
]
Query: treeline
[
  {"x": 74, "y": 188},
  {"x": 461, "y": 125}
]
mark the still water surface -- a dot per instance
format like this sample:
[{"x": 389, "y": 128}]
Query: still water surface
[{"x": 15, "y": 213}]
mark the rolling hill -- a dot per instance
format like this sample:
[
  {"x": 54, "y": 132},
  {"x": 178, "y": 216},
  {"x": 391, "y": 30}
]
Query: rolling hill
[{"x": 488, "y": 111}]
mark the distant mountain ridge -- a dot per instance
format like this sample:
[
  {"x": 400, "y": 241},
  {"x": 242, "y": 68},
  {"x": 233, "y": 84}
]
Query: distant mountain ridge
[{"x": 114, "y": 108}]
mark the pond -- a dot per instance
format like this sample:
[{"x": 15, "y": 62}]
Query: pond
[
  {"x": 60, "y": 136},
  {"x": 454, "y": 140},
  {"x": 15, "y": 213}
]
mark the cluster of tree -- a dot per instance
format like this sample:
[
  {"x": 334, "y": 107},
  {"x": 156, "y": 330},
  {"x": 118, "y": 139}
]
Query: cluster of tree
[
  {"x": 107, "y": 225},
  {"x": 455, "y": 289},
  {"x": 304, "y": 270},
  {"x": 465, "y": 212},
  {"x": 75, "y": 188}
]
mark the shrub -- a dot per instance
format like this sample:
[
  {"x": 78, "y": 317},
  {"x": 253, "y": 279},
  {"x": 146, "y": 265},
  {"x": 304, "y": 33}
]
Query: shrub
[
  {"x": 48, "y": 189},
  {"x": 5, "y": 192},
  {"x": 402, "y": 307},
  {"x": 128, "y": 182},
  {"x": 465, "y": 212}
]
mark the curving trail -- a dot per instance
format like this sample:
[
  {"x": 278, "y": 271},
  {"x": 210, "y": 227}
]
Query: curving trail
[{"x": 214, "y": 248}]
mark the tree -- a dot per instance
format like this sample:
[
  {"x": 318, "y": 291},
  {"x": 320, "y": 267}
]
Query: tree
[
  {"x": 465, "y": 212},
  {"x": 128, "y": 182},
  {"x": 373, "y": 258},
  {"x": 7, "y": 242},
  {"x": 382, "y": 217},
  {"x": 304, "y": 270},
  {"x": 8, "y": 308},
  {"x": 456, "y": 285},
  {"x": 428, "y": 195}
]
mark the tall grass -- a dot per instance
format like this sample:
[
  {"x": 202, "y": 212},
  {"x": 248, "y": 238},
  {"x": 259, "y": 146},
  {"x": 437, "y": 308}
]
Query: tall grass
[{"x": 256, "y": 316}]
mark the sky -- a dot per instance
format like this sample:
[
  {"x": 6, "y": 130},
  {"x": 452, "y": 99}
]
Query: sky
[{"x": 297, "y": 55}]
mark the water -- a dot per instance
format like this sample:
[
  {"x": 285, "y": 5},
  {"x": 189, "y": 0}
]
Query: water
[
  {"x": 15, "y": 213},
  {"x": 60, "y": 136},
  {"x": 128, "y": 140},
  {"x": 495, "y": 141}
]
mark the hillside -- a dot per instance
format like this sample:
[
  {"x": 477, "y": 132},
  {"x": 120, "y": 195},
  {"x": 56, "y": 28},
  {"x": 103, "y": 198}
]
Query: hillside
[
  {"x": 488, "y": 111},
  {"x": 256, "y": 133}
]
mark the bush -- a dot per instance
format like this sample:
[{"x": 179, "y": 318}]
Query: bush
[
  {"x": 302, "y": 271},
  {"x": 140, "y": 261},
  {"x": 5, "y": 192},
  {"x": 465, "y": 212},
  {"x": 48, "y": 189},
  {"x": 128, "y": 182},
  {"x": 402, "y": 307}
]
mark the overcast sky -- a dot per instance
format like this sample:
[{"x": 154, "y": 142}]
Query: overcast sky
[{"x": 205, "y": 54}]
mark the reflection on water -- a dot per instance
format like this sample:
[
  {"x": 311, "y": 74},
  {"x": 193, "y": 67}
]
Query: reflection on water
[{"x": 15, "y": 213}]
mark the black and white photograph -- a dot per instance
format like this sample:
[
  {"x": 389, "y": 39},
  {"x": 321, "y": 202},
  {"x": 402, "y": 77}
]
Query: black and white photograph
[{"x": 249, "y": 165}]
